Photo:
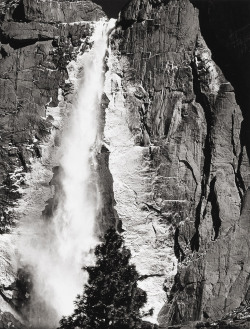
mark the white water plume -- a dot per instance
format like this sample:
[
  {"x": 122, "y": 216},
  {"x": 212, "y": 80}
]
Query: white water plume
[{"x": 56, "y": 251}]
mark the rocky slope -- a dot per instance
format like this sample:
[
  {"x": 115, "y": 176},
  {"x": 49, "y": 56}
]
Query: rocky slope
[{"x": 192, "y": 116}]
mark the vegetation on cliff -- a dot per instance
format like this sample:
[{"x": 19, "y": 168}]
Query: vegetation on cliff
[{"x": 111, "y": 298}]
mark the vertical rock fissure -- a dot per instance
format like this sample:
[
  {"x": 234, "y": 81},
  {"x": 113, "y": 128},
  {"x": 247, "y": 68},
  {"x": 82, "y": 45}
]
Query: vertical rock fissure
[
  {"x": 187, "y": 164},
  {"x": 238, "y": 177},
  {"x": 207, "y": 151},
  {"x": 179, "y": 253},
  {"x": 239, "y": 182},
  {"x": 232, "y": 135},
  {"x": 215, "y": 210},
  {"x": 145, "y": 128}
]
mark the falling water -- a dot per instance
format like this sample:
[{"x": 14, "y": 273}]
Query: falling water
[{"x": 58, "y": 249}]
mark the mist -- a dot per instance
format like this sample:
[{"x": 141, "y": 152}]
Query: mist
[{"x": 55, "y": 251}]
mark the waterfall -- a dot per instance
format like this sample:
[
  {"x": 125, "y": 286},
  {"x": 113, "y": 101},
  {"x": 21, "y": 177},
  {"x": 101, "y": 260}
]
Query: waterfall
[{"x": 56, "y": 251}]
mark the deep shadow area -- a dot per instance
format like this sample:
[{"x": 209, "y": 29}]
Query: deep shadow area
[
  {"x": 112, "y": 7},
  {"x": 226, "y": 30}
]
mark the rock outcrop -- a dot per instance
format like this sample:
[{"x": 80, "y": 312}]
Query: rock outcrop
[
  {"x": 146, "y": 229},
  {"x": 61, "y": 11},
  {"x": 192, "y": 116}
]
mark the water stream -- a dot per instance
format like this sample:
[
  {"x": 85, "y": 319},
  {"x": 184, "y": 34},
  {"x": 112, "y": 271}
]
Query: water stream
[{"x": 56, "y": 251}]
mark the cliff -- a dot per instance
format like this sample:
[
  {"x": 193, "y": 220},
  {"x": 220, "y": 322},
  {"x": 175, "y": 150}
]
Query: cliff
[
  {"x": 185, "y": 69},
  {"x": 174, "y": 170}
]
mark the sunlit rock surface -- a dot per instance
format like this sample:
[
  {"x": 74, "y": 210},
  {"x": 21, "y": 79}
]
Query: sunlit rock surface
[
  {"x": 61, "y": 11},
  {"x": 185, "y": 109},
  {"x": 146, "y": 230}
]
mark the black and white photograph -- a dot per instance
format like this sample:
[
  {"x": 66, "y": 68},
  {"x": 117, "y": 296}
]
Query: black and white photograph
[{"x": 124, "y": 164}]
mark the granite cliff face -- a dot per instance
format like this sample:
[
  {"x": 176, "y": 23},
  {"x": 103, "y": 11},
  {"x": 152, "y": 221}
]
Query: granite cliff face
[
  {"x": 193, "y": 118},
  {"x": 174, "y": 173}
]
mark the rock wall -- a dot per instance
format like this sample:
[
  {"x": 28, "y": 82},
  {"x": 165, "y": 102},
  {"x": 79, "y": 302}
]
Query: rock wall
[
  {"x": 187, "y": 113},
  {"x": 146, "y": 230},
  {"x": 177, "y": 143}
]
